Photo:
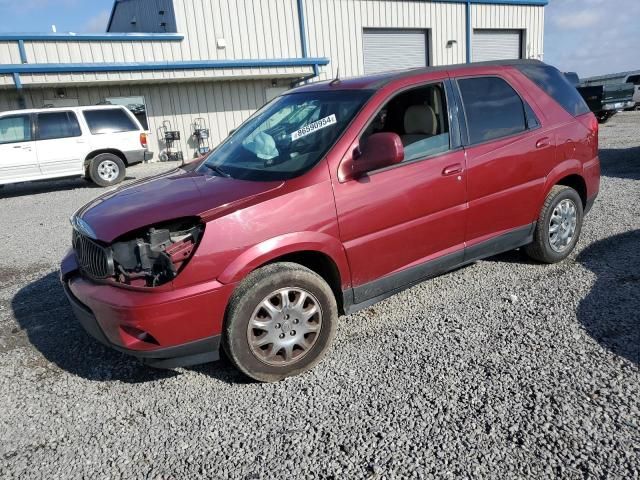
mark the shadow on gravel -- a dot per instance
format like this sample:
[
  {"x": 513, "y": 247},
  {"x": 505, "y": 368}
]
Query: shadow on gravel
[
  {"x": 42, "y": 310},
  {"x": 621, "y": 162},
  {"x": 512, "y": 256},
  {"x": 48, "y": 186},
  {"x": 610, "y": 313}
]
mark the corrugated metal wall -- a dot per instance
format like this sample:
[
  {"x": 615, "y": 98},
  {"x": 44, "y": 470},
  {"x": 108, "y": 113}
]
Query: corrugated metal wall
[
  {"x": 224, "y": 105},
  {"x": 252, "y": 29},
  {"x": 518, "y": 17},
  {"x": 262, "y": 29},
  {"x": 334, "y": 29}
]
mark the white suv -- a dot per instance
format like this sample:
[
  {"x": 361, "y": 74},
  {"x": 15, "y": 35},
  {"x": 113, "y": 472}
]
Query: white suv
[{"x": 98, "y": 142}]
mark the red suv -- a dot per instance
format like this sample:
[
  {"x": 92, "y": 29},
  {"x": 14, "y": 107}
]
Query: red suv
[{"x": 329, "y": 199}]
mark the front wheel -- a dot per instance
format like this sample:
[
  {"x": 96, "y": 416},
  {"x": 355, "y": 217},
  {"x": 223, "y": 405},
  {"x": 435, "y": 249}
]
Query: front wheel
[
  {"x": 106, "y": 169},
  {"x": 280, "y": 322},
  {"x": 559, "y": 225}
]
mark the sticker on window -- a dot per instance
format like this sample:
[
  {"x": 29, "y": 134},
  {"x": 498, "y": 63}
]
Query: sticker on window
[{"x": 313, "y": 127}]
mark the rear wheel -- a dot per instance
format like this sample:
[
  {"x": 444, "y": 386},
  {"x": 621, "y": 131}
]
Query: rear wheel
[
  {"x": 107, "y": 169},
  {"x": 280, "y": 322},
  {"x": 559, "y": 225}
]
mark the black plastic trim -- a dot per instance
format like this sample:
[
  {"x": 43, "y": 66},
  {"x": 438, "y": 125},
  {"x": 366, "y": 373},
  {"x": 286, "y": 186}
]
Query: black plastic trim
[
  {"x": 192, "y": 353},
  {"x": 589, "y": 205},
  {"x": 364, "y": 296},
  {"x": 136, "y": 156}
]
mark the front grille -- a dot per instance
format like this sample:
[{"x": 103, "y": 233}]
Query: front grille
[{"x": 93, "y": 259}]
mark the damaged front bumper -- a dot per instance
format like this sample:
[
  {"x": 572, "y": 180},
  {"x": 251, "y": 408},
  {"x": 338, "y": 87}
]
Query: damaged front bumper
[{"x": 164, "y": 329}]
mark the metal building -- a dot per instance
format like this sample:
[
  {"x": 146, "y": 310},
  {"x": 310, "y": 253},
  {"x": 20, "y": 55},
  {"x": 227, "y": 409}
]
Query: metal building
[{"x": 219, "y": 60}]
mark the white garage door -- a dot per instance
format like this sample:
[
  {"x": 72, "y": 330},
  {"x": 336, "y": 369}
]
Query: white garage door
[
  {"x": 496, "y": 45},
  {"x": 394, "y": 50}
]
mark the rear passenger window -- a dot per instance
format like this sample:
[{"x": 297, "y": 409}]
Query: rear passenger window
[
  {"x": 109, "y": 121},
  {"x": 556, "y": 85},
  {"x": 58, "y": 125},
  {"x": 493, "y": 109},
  {"x": 15, "y": 128}
]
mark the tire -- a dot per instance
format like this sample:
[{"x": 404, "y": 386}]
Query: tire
[
  {"x": 107, "y": 169},
  {"x": 276, "y": 329},
  {"x": 548, "y": 249}
]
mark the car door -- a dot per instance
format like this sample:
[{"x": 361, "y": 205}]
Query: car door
[
  {"x": 404, "y": 223},
  {"x": 508, "y": 154},
  {"x": 18, "y": 159},
  {"x": 60, "y": 145}
]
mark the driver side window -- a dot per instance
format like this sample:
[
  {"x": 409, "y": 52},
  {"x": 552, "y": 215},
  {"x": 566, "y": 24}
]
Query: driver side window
[{"x": 419, "y": 117}]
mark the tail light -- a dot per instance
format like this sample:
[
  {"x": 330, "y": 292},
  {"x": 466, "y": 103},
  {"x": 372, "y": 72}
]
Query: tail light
[{"x": 143, "y": 140}]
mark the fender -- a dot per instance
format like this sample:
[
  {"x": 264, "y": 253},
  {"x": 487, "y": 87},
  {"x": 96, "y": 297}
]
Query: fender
[
  {"x": 563, "y": 169},
  {"x": 275, "y": 247}
]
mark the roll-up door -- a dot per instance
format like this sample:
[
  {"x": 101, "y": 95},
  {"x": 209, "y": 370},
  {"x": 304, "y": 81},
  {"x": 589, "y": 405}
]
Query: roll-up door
[
  {"x": 496, "y": 45},
  {"x": 394, "y": 50}
]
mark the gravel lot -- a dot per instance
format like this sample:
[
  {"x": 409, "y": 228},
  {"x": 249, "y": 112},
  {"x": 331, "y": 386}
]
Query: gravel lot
[{"x": 504, "y": 369}]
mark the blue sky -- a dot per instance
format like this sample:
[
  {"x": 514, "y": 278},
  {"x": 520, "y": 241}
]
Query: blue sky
[{"x": 587, "y": 36}]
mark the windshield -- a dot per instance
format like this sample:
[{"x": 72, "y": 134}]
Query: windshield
[{"x": 286, "y": 137}]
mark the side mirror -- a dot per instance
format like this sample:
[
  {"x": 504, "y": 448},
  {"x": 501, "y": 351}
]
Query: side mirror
[{"x": 380, "y": 150}]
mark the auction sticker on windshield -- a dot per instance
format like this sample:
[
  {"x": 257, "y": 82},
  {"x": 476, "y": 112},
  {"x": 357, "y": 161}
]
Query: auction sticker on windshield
[{"x": 313, "y": 127}]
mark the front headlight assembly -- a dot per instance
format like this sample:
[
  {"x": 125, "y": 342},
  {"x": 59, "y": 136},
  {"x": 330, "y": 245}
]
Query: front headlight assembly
[{"x": 155, "y": 255}]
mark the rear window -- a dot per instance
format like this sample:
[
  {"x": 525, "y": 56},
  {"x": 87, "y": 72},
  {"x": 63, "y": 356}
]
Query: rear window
[
  {"x": 58, "y": 125},
  {"x": 557, "y": 86},
  {"x": 635, "y": 79},
  {"x": 109, "y": 121},
  {"x": 493, "y": 109}
]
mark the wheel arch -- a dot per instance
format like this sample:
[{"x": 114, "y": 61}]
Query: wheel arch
[
  {"x": 570, "y": 174},
  {"x": 321, "y": 253},
  {"x": 578, "y": 183},
  {"x": 113, "y": 151}
]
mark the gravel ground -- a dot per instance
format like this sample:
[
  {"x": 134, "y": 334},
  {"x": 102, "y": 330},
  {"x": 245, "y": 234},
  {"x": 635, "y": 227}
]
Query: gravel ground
[{"x": 504, "y": 369}]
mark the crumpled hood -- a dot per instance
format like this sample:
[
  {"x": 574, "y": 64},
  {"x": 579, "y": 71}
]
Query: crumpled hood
[{"x": 168, "y": 196}]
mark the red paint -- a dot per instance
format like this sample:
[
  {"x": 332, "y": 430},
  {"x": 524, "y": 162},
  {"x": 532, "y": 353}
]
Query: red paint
[{"x": 367, "y": 225}]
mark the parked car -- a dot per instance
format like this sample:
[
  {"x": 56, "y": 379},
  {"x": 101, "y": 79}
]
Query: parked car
[
  {"x": 635, "y": 81},
  {"x": 98, "y": 142},
  {"x": 392, "y": 179},
  {"x": 604, "y": 100}
]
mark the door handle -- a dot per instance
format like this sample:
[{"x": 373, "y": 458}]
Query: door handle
[
  {"x": 452, "y": 169},
  {"x": 543, "y": 142}
]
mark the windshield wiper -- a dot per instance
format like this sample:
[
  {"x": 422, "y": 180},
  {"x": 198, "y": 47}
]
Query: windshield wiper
[{"x": 217, "y": 170}]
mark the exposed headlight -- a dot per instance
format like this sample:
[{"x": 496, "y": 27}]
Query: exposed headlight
[{"x": 155, "y": 255}]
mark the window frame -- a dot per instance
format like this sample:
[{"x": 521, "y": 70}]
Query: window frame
[
  {"x": 125, "y": 111},
  {"x": 31, "y": 127},
  {"x": 466, "y": 139},
  {"x": 455, "y": 137},
  {"x": 36, "y": 125}
]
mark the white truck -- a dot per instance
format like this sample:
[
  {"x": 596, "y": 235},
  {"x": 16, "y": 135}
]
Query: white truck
[
  {"x": 97, "y": 142},
  {"x": 635, "y": 81}
]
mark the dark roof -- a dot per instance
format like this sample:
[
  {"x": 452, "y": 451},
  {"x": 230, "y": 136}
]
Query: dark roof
[{"x": 378, "y": 81}]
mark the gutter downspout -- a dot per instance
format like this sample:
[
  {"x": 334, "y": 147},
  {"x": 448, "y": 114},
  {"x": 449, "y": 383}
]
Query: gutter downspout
[
  {"x": 303, "y": 40},
  {"x": 22, "y": 104},
  {"x": 468, "y": 18}
]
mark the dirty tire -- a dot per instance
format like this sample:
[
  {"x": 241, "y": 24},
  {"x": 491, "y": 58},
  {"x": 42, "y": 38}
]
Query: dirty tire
[
  {"x": 540, "y": 249},
  {"x": 246, "y": 299},
  {"x": 102, "y": 178}
]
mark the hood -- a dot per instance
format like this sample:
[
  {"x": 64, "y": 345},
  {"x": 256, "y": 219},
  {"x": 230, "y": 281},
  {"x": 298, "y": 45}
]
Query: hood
[{"x": 172, "y": 195}]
